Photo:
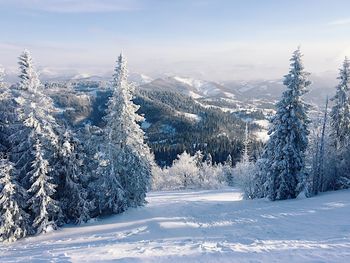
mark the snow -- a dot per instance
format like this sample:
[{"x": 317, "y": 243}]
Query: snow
[
  {"x": 189, "y": 116},
  {"x": 262, "y": 134},
  {"x": 263, "y": 123},
  {"x": 203, "y": 88},
  {"x": 145, "y": 125},
  {"x": 189, "y": 81},
  {"x": 202, "y": 226}
]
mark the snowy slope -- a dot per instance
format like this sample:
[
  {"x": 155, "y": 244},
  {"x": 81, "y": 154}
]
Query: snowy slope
[{"x": 203, "y": 226}]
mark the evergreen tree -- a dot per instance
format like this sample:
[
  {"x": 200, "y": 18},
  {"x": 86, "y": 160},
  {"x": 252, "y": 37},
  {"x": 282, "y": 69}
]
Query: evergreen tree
[
  {"x": 45, "y": 209},
  {"x": 245, "y": 155},
  {"x": 340, "y": 114},
  {"x": 35, "y": 120},
  {"x": 14, "y": 221},
  {"x": 340, "y": 131},
  {"x": 284, "y": 154},
  {"x": 228, "y": 171},
  {"x": 129, "y": 156},
  {"x": 74, "y": 197},
  {"x": 28, "y": 77}
]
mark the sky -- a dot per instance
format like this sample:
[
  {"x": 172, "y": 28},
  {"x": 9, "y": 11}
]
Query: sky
[{"x": 209, "y": 39}]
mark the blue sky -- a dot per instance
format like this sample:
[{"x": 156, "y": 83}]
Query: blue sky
[{"x": 212, "y": 39}]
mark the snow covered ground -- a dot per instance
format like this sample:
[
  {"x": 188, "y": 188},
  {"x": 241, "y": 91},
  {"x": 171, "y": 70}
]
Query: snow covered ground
[{"x": 203, "y": 226}]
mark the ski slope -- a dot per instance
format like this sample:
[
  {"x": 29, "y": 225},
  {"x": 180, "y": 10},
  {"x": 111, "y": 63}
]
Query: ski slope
[{"x": 202, "y": 226}]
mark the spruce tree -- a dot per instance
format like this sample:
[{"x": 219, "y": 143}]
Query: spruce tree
[
  {"x": 42, "y": 206},
  {"x": 340, "y": 130},
  {"x": 74, "y": 197},
  {"x": 340, "y": 114},
  {"x": 28, "y": 76},
  {"x": 284, "y": 155},
  {"x": 129, "y": 156},
  {"x": 14, "y": 221}
]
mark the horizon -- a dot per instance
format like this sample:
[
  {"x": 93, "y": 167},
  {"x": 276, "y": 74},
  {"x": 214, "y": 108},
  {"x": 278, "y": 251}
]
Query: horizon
[{"x": 212, "y": 40}]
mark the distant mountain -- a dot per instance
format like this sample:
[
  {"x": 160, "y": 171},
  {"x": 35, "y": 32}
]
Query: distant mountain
[
  {"x": 238, "y": 92},
  {"x": 191, "y": 87}
]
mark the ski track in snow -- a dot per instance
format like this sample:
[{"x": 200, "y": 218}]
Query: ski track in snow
[{"x": 202, "y": 226}]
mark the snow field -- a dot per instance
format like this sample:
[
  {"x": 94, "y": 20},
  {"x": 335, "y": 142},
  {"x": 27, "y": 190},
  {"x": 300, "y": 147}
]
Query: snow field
[{"x": 202, "y": 226}]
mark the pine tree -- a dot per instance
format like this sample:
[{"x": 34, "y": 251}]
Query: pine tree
[
  {"x": 14, "y": 221},
  {"x": 284, "y": 154},
  {"x": 75, "y": 202},
  {"x": 35, "y": 119},
  {"x": 28, "y": 77},
  {"x": 45, "y": 209},
  {"x": 130, "y": 158},
  {"x": 340, "y": 114},
  {"x": 245, "y": 155},
  {"x": 228, "y": 171}
]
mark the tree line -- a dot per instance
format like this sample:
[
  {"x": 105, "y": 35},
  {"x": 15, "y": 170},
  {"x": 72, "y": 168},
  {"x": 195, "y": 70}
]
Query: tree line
[{"x": 49, "y": 177}]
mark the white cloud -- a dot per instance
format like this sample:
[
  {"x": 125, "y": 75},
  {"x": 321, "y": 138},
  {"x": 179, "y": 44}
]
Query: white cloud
[
  {"x": 339, "y": 22},
  {"x": 74, "y": 6}
]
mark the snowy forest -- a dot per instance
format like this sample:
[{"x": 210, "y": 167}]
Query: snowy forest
[{"x": 52, "y": 174}]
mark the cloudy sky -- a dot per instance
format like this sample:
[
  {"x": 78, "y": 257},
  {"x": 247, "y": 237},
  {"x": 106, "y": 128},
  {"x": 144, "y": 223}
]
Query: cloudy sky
[{"x": 212, "y": 39}]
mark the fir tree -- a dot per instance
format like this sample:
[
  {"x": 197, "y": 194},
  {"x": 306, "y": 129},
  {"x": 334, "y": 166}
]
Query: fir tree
[
  {"x": 42, "y": 206},
  {"x": 130, "y": 158},
  {"x": 14, "y": 221},
  {"x": 75, "y": 202},
  {"x": 245, "y": 155},
  {"x": 285, "y": 151},
  {"x": 28, "y": 77},
  {"x": 340, "y": 114}
]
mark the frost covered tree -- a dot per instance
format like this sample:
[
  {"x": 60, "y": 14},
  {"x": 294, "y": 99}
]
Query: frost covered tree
[
  {"x": 340, "y": 130},
  {"x": 43, "y": 207},
  {"x": 284, "y": 155},
  {"x": 14, "y": 221},
  {"x": 245, "y": 170},
  {"x": 28, "y": 76},
  {"x": 318, "y": 148},
  {"x": 189, "y": 172},
  {"x": 228, "y": 171},
  {"x": 130, "y": 160},
  {"x": 340, "y": 114},
  {"x": 74, "y": 198},
  {"x": 35, "y": 119},
  {"x": 245, "y": 155},
  {"x": 108, "y": 192}
]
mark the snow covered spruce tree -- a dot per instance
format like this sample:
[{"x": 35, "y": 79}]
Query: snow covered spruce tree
[
  {"x": 284, "y": 154},
  {"x": 340, "y": 130},
  {"x": 73, "y": 193},
  {"x": 130, "y": 159},
  {"x": 14, "y": 221},
  {"x": 42, "y": 206},
  {"x": 35, "y": 143},
  {"x": 340, "y": 114},
  {"x": 34, "y": 110}
]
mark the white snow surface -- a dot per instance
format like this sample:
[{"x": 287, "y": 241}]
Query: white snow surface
[{"x": 202, "y": 226}]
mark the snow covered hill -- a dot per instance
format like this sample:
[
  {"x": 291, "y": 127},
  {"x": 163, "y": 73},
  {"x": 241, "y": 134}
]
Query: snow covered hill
[{"x": 202, "y": 226}]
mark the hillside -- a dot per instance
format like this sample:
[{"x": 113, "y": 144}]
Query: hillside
[
  {"x": 174, "y": 122},
  {"x": 202, "y": 226}
]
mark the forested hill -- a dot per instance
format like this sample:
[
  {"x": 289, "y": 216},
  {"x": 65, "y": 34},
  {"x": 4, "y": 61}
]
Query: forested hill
[{"x": 173, "y": 122}]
